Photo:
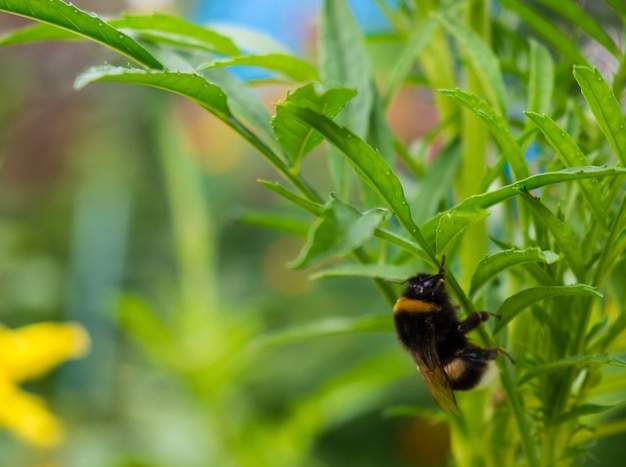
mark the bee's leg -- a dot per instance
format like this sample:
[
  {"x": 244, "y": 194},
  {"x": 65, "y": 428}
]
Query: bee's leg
[
  {"x": 481, "y": 355},
  {"x": 473, "y": 320}
]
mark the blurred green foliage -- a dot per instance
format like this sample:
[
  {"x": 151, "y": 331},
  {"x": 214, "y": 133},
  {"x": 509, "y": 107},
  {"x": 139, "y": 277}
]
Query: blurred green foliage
[{"x": 138, "y": 215}]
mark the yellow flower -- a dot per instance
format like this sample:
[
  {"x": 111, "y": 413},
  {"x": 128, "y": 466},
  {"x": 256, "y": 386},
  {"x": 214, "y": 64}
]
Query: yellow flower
[{"x": 29, "y": 353}]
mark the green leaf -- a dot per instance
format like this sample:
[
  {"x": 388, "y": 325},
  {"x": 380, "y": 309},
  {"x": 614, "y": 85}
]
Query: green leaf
[
  {"x": 574, "y": 361},
  {"x": 288, "y": 65},
  {"x": 70, "y": 18},
  {"x": 453, "y": 224},
  {"x": 369, "y": 165},
  {"x": 310, "y": 206},
  {"x": 498, "y": 127},
  {"x": 340, "y": 230},
  {"x": 419, "y": 38},
  {"x": 563, "y": 235},
  {"x": 540, "y": 78},
  {"x": 381, "y": 271},
  {"x": 190, "y": 85},
  {"x": 140, "y": 322},
  {"x": 493, "y": 264},
  {"x": 345, "y": 63},
  {"x": 37, "y": 33},
  {"x": 546, "y": 28},
  {"x": 570, "y": 10},
  {"x": 253, "y": 42},
  {"x": 329, "y": 327},
  {"x": 281, "y": 223},
  {"x": 517, "y": 303},
  {"x": 580, "y": 411},
  {"x": 299, "y": 139},
  {"x": 571, "y": 156},
  {"x": 491, "y": 198},
  {"x": 482, "y": 60},
  {"x": 183, "y": 31},
  {"x": 619, "y": 6},
  {"x": 604, "y": 107}
]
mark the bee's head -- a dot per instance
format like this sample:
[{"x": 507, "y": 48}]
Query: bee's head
[{"x": 427, "y": 287}]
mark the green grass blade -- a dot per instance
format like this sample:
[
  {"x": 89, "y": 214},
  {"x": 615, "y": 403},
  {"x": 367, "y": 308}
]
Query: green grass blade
[
  {"x": 546, "y": 28},
  {"x": 517, "y": 303},
  {"x": 183, "y": 30},
  {"x": 288, "y": 65},
  {"x": 604, "y": 107},
  {"x": 68, "y": 17},
  {"x": 340, "y": 230},
  {"x": 483, "y": 61},
  {"x": 493, "y": 264},
  {"x": 571, "y": 156},
  {"x": 498, "y": 127},
  {"x": 370, "y": 166}
]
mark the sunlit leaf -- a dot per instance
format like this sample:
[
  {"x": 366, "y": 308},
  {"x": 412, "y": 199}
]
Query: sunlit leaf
[
  {"x": 70, "y": 18},
  {"x": 37, "y": 33},
  {"x": 288, "y": 65},
  {"x": 186, "y": 32},
  {"x": 540, "y": 78}
]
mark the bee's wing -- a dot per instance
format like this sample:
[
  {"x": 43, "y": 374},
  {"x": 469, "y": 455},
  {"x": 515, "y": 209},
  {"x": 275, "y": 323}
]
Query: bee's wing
[{"x": 436, "y": 379}]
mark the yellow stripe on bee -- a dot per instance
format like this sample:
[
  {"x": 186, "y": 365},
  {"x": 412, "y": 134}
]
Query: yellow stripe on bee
[{"x": 411, "y": 305}]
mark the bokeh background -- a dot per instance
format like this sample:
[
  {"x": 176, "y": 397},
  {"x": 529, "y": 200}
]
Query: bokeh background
[{"x": 120, "y": 209}]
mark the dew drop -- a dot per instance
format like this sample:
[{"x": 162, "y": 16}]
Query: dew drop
[
  {"x": 388, "y": 173},
  {"x": 621, "y": 127},
  {"x": 403, "y": 203},
  {"x": 562, "y": 135},
  {"x": 121, "y": 36}
]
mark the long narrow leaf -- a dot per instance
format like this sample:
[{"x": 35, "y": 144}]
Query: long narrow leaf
[
  {"x": 517, "y": 303},
  {"x": 493, "y": 264},
  {"x": 70, "y": 18},
  {"x": 369, "y": 165},
  {"x": 498, "y": 127},
  {"x": 486, "y": 200},
  {"x": 571, "y": 156},
  {"x": 288, "y": 65},
  {"x": 605, "y": 108},
  {"x": 482, "y": 60}
]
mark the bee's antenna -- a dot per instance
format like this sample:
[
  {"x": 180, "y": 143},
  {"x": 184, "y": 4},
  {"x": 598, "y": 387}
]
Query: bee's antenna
[
  {"x": 442, "y": 268},
  {"x": 397, "y": 282}
]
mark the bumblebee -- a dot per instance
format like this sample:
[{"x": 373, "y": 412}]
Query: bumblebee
[{"x": 429, "y": 329}]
